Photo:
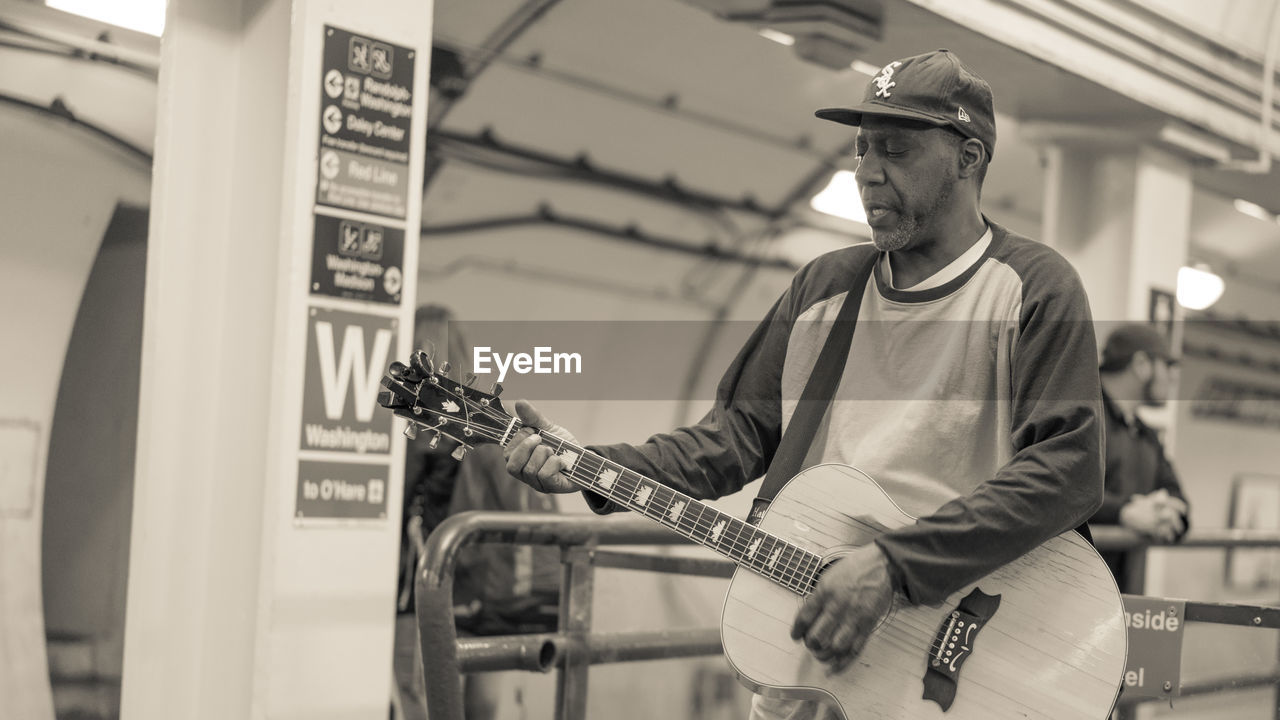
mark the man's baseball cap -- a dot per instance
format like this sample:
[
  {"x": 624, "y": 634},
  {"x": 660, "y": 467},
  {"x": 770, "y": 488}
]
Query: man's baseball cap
[
  {"x": 935, "y": 88},
  {"x": 1128, "y": 340}
]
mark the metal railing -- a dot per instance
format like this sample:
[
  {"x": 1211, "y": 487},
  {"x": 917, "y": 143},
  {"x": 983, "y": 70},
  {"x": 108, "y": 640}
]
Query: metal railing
[
  {"x": 1254, "y": 616},
  {"x": 571, "y": 650},
  {"x": 574, "y": 648}
]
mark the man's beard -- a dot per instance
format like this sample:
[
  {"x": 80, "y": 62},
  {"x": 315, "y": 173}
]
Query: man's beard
[
  {"x": 910, "y": 227},
  {"x": 1149, "y": 398},
  {"x": 899, "y": 237}
]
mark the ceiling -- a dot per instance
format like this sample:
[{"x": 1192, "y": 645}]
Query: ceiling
[{"x": 608, "y": 110}]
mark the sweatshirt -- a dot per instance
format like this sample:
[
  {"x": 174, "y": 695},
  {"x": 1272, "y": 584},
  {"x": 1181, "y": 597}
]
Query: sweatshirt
[{"x": 975, "y": 404}]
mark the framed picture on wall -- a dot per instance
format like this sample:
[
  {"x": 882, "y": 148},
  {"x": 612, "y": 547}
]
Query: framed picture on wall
[
  {"x": 1161, "y": 309},
  {"x": 1255, "y": 505}
]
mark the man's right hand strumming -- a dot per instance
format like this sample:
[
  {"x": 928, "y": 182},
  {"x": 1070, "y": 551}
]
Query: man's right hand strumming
[{"x": 532, "y": 462}]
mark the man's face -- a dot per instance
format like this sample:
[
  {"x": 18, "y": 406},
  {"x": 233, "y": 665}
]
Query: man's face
[{"x": 907, "y": 172}]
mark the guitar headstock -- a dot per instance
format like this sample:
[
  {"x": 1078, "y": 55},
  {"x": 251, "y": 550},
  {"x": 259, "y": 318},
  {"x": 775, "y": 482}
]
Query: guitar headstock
[{"x": 432, "y": 401}]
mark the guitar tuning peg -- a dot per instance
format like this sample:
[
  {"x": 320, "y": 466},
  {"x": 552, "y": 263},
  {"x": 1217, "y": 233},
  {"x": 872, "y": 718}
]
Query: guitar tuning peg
[
  {"x": 421, "y": 362},
  {"x": 459, "y": 452},
  {"x": 434, "y": 442},
  {"x": 411, "y": 431},
  {"x": 471, "y": 378},
  {"x": 496, "y": 390},
  {"x": 445, "y": 367}
]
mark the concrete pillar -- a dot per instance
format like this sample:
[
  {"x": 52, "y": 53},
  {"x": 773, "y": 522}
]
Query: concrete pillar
[
  {"x": 1122, "y": 214},
  {"x": 276, "y": 292},
  {"x": 1122, "y": 217}
]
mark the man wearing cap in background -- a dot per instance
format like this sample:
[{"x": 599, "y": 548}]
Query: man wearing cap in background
[
  {"x": 1142, "y": 491},
  {"x": 970, "y": 392}
]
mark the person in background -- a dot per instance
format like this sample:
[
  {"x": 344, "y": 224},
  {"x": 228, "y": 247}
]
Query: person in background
[
  {"x": 498, "y": 589},
  {"x": 1142, "y": 491}
]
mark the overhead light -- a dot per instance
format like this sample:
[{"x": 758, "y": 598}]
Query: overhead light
[
  {"x": 145, "y": 16},
  {"x": 841, "y": 198},
  {"x": 1253, "y": 210},
  {"x": 1198, "y": 287},
  {"x": 865, "y": 68},
  {"x": 779, "y": 37}
]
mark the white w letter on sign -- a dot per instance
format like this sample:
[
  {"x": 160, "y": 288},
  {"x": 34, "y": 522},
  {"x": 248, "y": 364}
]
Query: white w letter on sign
[{"x": 351, "y": 365}]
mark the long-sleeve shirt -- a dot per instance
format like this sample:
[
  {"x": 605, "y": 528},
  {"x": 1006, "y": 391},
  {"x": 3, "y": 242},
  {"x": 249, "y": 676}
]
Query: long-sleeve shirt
[
  {"x": 975, "y": 404},
  {"x": 1135, "y": 465}
]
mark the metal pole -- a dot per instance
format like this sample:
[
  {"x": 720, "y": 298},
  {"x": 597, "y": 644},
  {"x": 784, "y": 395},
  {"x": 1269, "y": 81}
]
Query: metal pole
[
  {"x": 576, "y": 590},
  {"x": 436, "y": 632},
  {"x": 543, "y": 651}
]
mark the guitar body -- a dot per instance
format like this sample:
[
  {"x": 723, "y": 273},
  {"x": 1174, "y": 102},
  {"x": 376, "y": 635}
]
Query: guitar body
[{"x": 1055, "y": 648}]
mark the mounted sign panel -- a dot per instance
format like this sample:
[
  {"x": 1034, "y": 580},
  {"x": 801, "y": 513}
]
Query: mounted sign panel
[
  {"x": 366, "y": 111},
  {"x": 1155, "y": 629},
  {"x": 341, "y": 490},
  {"x": 346, "y": 355},
  {"x": 357, "y": 260}
]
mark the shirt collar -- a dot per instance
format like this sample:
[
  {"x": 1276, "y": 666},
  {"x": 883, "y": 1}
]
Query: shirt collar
[{"x": 950, "y": 272}]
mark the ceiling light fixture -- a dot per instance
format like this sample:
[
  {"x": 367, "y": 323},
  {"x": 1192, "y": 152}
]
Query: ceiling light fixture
[
  {"x": 1198, "y": 287},
  {"x": 146, "y": 16},
  {"x": 1253, "y": 210},
  {"x": 841, "y": 198},
  {"x": 779, "y": 37},
  {"x": 865, "y": 68}
]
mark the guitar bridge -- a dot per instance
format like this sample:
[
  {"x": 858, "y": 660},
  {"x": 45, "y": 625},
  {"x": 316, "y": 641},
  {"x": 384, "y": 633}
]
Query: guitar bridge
[{"x": 953, "y": 644}]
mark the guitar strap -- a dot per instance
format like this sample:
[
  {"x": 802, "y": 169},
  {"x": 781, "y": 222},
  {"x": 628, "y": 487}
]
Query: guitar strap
[{"x": 815, "y": 398}]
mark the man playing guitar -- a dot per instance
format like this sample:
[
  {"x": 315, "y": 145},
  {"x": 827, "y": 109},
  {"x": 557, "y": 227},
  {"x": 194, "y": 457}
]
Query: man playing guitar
[{"x": 970, "y": 392}]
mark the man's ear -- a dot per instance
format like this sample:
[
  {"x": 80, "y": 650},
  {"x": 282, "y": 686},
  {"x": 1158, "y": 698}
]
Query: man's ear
[{"x": 972, "y": 155}]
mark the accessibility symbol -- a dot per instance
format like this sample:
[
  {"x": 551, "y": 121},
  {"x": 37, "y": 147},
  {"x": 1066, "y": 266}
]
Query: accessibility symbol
[
  {"x": 333, "y": 83},
  {"x": 330, "y": 164},
  {"x": 332, "y": 119},
  {"x": 371, "y": 248},
  {"x": 358, "y": 55},
  {"x": 380, "y": 60},
  {"x": 349, "y": 240}
]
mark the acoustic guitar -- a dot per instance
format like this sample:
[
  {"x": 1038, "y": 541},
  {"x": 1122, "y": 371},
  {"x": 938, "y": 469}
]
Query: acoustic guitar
[{"x": 1040, "y": 637}]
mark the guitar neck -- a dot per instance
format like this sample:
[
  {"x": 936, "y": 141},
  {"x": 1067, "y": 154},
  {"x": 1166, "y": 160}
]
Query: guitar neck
[{"x": 767, "y": 555}]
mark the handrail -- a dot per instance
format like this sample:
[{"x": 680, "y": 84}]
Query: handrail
[
  {"x": 1115, "y": 537},
  {"x": 540, "y": 652},
  {"x": 574, "y": 647},
  {"x": 434, "y": 582}
]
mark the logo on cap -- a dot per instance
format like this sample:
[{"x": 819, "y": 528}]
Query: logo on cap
[
  {"x": 963, "y": 115},
  {"x": 884, "y": 80}
]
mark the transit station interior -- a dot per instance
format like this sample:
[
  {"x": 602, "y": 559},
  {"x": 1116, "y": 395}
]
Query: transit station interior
[{"x": 620, "y": 190}]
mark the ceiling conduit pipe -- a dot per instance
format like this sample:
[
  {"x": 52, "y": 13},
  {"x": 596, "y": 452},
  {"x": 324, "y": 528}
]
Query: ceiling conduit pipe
[
  {"x": 1262, "y": 165},
  {"x": 493, "y": 46},
  {"x": 98, "y": 49}
]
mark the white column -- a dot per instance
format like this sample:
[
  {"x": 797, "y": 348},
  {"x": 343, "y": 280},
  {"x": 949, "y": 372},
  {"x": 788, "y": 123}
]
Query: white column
[
  {"x": 244, "y": 601},
  {"x": 1122, "y": 216}
]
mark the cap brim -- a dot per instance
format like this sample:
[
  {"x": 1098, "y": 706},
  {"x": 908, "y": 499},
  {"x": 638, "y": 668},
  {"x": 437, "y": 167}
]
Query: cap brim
[{"x": 853, "y": 115}]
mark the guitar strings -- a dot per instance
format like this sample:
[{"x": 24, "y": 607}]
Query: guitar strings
[{"x": 796, "y": 573}]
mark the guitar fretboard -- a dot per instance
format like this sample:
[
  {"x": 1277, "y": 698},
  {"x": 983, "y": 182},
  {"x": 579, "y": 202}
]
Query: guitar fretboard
[{"x": 767, "y": 555}]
